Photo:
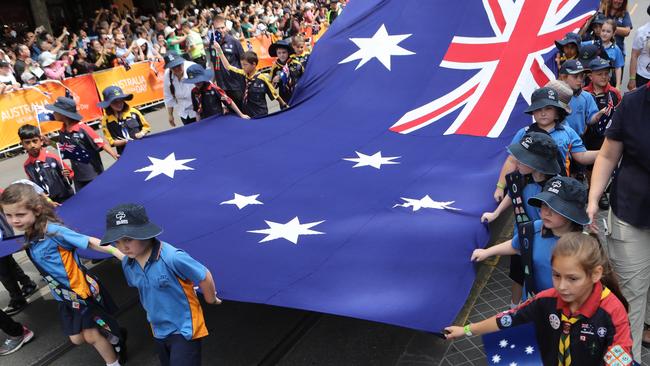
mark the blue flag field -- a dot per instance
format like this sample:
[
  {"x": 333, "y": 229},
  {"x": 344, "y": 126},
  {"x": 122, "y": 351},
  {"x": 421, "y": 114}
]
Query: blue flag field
[{"x": 364, "y": 198}]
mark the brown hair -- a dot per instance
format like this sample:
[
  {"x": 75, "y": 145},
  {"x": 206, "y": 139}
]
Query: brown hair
[
  {"x": 619, "y": 13},
  {"x": 590, "y": 254},
  {"x": 250, "y": 57},
  {"x": 611, "y": 22},
  {"x": 43, "y": 210}
]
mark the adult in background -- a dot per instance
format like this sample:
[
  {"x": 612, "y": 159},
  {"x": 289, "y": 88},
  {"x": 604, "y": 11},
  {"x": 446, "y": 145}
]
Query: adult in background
[
  {"x": 640, "y": 57},
  {"x": 232, "y": 83},
  {"x": 177, "y": 95},
  {"x": 626, "y": 140},
  {"x": 617, "y": 10}
]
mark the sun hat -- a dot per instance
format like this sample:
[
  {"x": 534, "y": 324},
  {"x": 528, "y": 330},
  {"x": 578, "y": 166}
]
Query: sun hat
[
  {"x": 566, "y": 196},
  {"x": 111, "y": 94},
  {"x": 129, "y": 220},
  {"x": 538, "y": 151}
]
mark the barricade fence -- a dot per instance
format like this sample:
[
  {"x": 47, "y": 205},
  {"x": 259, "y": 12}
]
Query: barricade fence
[{"x": 143, "y": 79}]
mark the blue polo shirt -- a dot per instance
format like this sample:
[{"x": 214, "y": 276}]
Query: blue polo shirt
[
  {"x": 542, "y": 249},
  {"x": 166, "y": 287},
  {"x": 56, "y": 255},
  {"x": 566, "y": 138},
  {"x": 583, "y": 107}
]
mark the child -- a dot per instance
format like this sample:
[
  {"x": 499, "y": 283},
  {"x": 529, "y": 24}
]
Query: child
[
  {"x": 121, "y": 123},
  {"x": 606, "y": 96},
  {"x": 583, "y": 106},
  {"x": 286, "y": 71},
  {"x": 302, "y": 55},
  {"x": 257, "y": 87},
  {"x": 536, "y": 160},
  {"x": 562, "y": 210},
  {"x": 79, "y": 142},
  {"x": 165, "y": 277},
  {"x": 207, "y": 97},
  {"x": 44, "y": 168},
  {"x": 567, "y": 48},
  {"x": 582, "y": 320},
  {"x": 549, "y": 113},
  {"x": 614, "y": 53},
  {"x": 84, "y": 307}
]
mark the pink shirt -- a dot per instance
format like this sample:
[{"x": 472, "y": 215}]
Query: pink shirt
[{"x": 55, "y": 71}]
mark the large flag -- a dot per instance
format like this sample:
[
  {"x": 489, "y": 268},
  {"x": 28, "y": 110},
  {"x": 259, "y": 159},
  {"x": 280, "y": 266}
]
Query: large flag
[
  {"x": 364, "y": 198},
  {"x": 513, "y": 346}
]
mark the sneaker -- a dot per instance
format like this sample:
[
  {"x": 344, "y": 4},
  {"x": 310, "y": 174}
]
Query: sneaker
[
  {"x": 15, "y": 307},
  {"x": 29, "y": 289},
  {"x": 603, "y": 202},
  {"x": 13, "y": 344}
]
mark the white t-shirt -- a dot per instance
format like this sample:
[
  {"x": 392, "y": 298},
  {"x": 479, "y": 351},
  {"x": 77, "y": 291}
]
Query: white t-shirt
[
  {"x": 8, "y": 79},
  {"x": 182, "y": 104},
  {"x": 642, "y": 43}
]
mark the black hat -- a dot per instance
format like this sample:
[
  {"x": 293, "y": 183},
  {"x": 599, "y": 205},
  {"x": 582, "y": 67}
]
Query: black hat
[
  {"x": 65, "y": 106},
  {"x": 273, "y": 49},
  {"x": 129, "y": 220},
  {"x": 197, "y": 74},
  {"x": 537, "y": 150},
  {"x": 544, "y": 97},
  {"x": 566, "y": 196},
  {"x": 572, "y": 67},
  {"x": 172, "y": 59},
  {"x": 600, "y": 64},
  {"x": 111, "y": 94},
  {"x": 588, "y": 52},
  {"x": 599, "y": 18},
  {"x": 569, "y": 38}
]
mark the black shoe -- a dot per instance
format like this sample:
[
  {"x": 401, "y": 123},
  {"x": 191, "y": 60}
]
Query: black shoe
[
  {"x": 603, "y": 202},
  {"x": 29, "y": 289},
  {"x": 122, "y": 347},
  {"x": 15, "y": 307}
]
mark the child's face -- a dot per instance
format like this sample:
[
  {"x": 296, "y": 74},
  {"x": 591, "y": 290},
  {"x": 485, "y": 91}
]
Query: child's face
[
  {"x": 248, "y": 67},
  {"x": 132, "y": 248},
  {"x": 32, "y": 146},
  {"x": 606, "y": 32},
  {"x": 117, "y": 105},
  {"x": 575, "y": 81},
  {"x": 283, "y": 54},
  {"x": 571, "y": 281},
  {"x": 19, "y": 216},
  {"x": 600, "y": 77},
  {"x": 570, "y": 50},
  {"x": 545, "y": 116},
  {"x": 553, "y": 220},
  {"x": 523, "y": 168},
  {"x": 299, "y": 47},
  {"x": 596, "y": 29}
]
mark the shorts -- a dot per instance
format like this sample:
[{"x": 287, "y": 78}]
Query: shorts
[
  {"x": 516, "y": 269},
  {"x": 73, "y": 321},
  {"x": 175, "y": 350}
]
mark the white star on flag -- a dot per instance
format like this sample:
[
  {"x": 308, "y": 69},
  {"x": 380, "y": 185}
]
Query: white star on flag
[
  {"x": 513, "y": 364},
  {"x": 503, "y": 343},
  {"x": 242, "y": 201},
  {"x": 529, "y": 350},
  {"x": 427, "y": 202},
  {"x": 375, "y": 160},
  {"x": 380, "y": 46},
  {"x": 290, "y": 231},
  {"x": 496, "y": 359},
  {"x": 167, "y": 166}
]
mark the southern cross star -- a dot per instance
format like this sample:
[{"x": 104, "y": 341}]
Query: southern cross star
[
  {"x": 375, "y": 160},
  {"x": 242, "y": 201},
  {"x": 290, "y": 231},
  {"x": 167, "y": 166},
  {"x": 380, "y": 46}
]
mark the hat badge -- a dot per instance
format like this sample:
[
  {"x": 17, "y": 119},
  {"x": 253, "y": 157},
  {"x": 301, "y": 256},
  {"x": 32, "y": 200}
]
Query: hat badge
[
  {"x": 116, "y": 92},
  {"x": 578, "y": 64},
  {"x": 527, "y": 141},
  {"x": 551, "y": 94},
  {"x": 171, "y": 57},
  {"x": 555, "y": 187},
  {"x": 121, "y": 218}
]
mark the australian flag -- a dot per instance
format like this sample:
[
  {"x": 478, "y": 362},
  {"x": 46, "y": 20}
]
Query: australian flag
[
  {"x": 513, "y": 346},
  {"x": 74, "y": 152},
  {"x": 364, "y": 198}
]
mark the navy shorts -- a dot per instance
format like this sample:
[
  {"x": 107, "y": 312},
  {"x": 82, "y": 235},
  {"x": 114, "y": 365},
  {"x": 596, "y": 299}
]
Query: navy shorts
[
  {"x": 74, "y": 321},
  {"x": 516, "y": 269},
  {"x": 175, "y": 350}
]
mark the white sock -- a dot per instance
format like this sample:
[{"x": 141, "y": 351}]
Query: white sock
[
  {"x": 513, "y": 305},
  {"x": 116, "y": 363}
]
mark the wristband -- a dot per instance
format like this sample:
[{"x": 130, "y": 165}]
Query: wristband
[
  {"x": 467, "y": 330},
  {"x": 501, "y": 185},
  {"x": 111, "y": 250},
  {"x": 632, "y": 77}
]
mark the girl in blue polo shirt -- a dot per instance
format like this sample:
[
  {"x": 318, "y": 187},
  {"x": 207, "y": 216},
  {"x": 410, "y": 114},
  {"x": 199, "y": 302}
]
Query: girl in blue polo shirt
[
  {"x": 85, "y": 308},
  {"x": 562, "y": 205},
  {"x": 614, "y": 53},
  {"x": 165, "y": 278}
]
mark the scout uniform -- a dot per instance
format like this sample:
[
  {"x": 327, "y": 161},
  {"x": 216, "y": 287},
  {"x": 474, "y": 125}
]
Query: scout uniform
[
  {"x": 46, "y": 170},
  {"x": 290, "y": 72},
  {"x": 207, "y": 98},
  {"x": 257, "y": 88},
  {"x": 127, "y": 124}
]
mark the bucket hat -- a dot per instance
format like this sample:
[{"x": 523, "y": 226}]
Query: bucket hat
[
  {"x": 537, "y": 150},
  {"x": 111, "y": 94},
  {"x": 129, "y": 220},
  {"x": 173, "y": 59},
  {"x": 566, "y": 196},
  {"x": 197, "y": 74},
  {"x": 65, "y": 106},
  {"x": 544, "y": 97}
]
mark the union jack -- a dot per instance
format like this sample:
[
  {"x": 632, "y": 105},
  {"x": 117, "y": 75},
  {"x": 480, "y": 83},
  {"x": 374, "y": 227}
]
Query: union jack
[{"x": 510, "y": 64}]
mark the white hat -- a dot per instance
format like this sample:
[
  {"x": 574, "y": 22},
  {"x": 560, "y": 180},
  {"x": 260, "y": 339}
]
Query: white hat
[
  {"x": 46, "y": 58},
  {"x": 140, "y": 41},
  {"x": 168, "y": 30},
  {"x": 27, "y": 76}
]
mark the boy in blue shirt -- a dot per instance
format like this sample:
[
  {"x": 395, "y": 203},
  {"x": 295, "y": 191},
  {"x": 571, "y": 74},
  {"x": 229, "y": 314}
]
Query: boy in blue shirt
[{"x": 165, "y": 278}]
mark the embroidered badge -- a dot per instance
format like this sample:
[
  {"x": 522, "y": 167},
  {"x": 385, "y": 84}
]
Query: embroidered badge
[
  {"x": 554, "y": 321},
  {"x": 506, "y": 321},
  {"x": 121, "y": 218},
  {"x": 602, "y": 332}
]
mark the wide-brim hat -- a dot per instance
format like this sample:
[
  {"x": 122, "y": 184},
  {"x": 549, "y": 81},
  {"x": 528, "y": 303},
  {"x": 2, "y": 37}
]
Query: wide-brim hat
[
  {"x": 129, "y": 221},
  {"x": 537, "y": 162},
  {"x": 197, "y": 74},
  {"x": 544, "y": 97},
  {"x": 111, "y": 94},
  {"x": 172, "y": 59},
  {"x": 46, "y": 59},
  {"x": 566, "y": 196},
  {"x": 273, "y": 49},
  {"x": 66, "y": 107},
  {"x": 569, "y": 38}
]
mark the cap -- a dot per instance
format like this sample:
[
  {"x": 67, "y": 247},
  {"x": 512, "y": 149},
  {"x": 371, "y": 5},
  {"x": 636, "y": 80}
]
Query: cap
[
  {"x": 566, "y": 196},
  {"x": 168, "y": 30},
  {"x": 172, "y": 59},
  {"x": 588, "y": 52},
  {"x": 600, "y": 64},
  {"x": 572, "y": 67},
  {"x": 129, "y": 220},
  {"x": 538, "y": 151}
]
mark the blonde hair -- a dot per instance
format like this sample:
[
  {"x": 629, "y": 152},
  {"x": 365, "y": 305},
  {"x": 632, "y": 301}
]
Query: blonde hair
[{"x": 26, "y": 195}]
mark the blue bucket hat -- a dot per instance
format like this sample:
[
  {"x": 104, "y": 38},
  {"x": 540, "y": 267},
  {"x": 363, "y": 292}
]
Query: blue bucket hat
[
  {"x": 197, "y": 74},
  {"x": 538, "y": 151},
  {"x": 66, "y": 107},
  {"x": 172, "y": 59},
  {"x": 111, "y": 94},
  {"x": 129, "y": 220},
  {"x": 566, "y": 196}
]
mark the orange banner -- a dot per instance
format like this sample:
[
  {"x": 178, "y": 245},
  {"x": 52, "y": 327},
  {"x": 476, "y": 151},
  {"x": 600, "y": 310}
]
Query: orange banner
[
  {"x": 260, "y": 45},
  {"x": 144, "y": 80},
  {"x": 20, "y": 107}
]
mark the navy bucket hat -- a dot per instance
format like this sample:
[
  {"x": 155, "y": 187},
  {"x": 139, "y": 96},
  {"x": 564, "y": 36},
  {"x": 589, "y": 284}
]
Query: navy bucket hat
[
  {"x": 111, "y": 94},
  {"x": 129, "y": 220},
  {"x": 197, "y": 74},
  {"x": 566, "y": 196},
  {"x": 65, "y": 106}
]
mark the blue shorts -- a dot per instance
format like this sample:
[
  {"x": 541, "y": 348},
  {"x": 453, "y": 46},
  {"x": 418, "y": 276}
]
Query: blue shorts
[
  {"x": 175, "y": 350},
  {"x": 73, "y": 321}
]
